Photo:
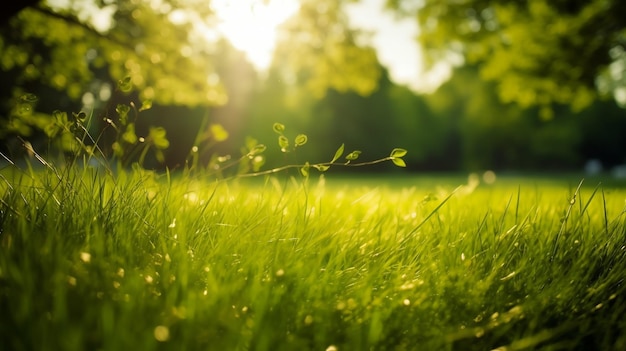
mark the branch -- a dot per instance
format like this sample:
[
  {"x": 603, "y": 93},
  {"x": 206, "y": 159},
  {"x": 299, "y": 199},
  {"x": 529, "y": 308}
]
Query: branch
[
  {"x": 323, "y": 164},
  {"x": 91, "y": 30}
]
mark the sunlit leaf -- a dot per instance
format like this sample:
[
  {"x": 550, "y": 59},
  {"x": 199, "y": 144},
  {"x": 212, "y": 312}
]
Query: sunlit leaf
[
  {"x": 338, "y": 153},
  {"x": 305, "y": 170},
  {"x": 301, "y": 139},
  {"x": 353, "y": 155},
  {"x": 257, "y": 149},
  {"x": 125, "y": 85},
  {"x": 28, "y": 98},
  {"x": 26, "y": 104},
  {"x": 117, "y": 148},
  {"x": 146, "y": 105},
  {"x": 60, "y": 117},
  {"x": 278, "y": 128},
  {"x": 257, "y": 162},
  {"x": 52, "y": 130},
  {"x": 397, "y": 152},
  {"x": 218, "y": 132},
  {"x": 129, "y": 135},
  {"x": 398, "y": 162},
  {"x": 283, "y": 142},
  {"x": 159, "y": 156},
  {"x": 158, "y": 137},
  {"x": 122, "y": 111},
  {"x": 321, "y": 168}
]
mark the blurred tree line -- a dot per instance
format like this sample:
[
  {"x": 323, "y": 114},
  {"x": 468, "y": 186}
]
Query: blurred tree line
[{"x": 325, "y": 81}]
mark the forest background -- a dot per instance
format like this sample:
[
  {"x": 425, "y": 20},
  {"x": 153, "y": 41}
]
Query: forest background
[{"x": 536, "y": 85}]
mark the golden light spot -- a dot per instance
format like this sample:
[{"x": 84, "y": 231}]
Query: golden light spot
[
  {"x": 71, "y": 281},
  {"x": 85, "y": 257},
  {"x": 489, "y": 177},
  {"x": 308, "y": 320},
  {"x": 162, "y": 333}
]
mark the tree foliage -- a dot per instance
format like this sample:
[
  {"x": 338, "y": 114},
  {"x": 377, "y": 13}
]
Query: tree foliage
[
  {"x": 539, "y": 52},
  {"x": 318, "y": 50},
  {"x": 150, "y": 42}
]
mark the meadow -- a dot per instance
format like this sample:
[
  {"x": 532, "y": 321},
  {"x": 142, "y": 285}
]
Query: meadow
[{"x": 157, "y": 261}]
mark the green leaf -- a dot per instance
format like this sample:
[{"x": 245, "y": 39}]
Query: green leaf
[
  {"x": 305, "y": 170},
  {"x": 283, "y": 142},
  {"x": 301, "y": 139},
  {"x": 397, "y": 152},
  {"x": 129, "y": 135},
  {"x": 353, "y": 155},
  {"x": 160, "y": 156},
  {"x": 125, "y": 84},
  {"x": 278, "y": 128},
  {"x": 122, "y": 111},
  {"x": 146, "y": 105},
  {"x": 321, "y": 168},
  {"x": 26, "y": 104},
  {"x": 257, "y": 163},
  {"x": 257, "y": 149},
  {"x": 218, "y": 132},
  {"x": 338, "y": 153},
  {"x": 158, "y": 138},
  {"x": 60, "y": 117},
  {"x": 28, "y": 98},
  {"x": 398, "y": 162}
]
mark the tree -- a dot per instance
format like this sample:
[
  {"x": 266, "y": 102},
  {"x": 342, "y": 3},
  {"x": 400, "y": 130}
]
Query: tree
[
  {"x": 150, "y": 42},
  {"x": 539, "y": 52},
  {"x": 317, "y": 49}
]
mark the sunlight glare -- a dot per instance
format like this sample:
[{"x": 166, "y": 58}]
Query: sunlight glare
[{"x": 250, "y": 25}]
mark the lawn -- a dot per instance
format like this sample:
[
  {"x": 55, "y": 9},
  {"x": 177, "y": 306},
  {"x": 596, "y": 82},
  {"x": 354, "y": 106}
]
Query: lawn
[{"x": 147, "y": 261}]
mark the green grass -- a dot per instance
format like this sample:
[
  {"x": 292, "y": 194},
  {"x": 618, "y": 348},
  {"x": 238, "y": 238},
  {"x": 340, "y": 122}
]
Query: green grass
[{"x": 142, "y": 261}]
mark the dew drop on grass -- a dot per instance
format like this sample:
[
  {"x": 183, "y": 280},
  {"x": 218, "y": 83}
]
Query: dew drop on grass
[
  {"x": 280, "y": 272},
  {"x": 332, "y": 348},
  {"x": 406, "y": 302},
  {"x": 508, "y": 276},
  {"x": 407, "y": 286}
]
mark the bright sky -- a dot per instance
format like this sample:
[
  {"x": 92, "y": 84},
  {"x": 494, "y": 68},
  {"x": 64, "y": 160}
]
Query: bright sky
[{"x": 251, "y": 27}]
